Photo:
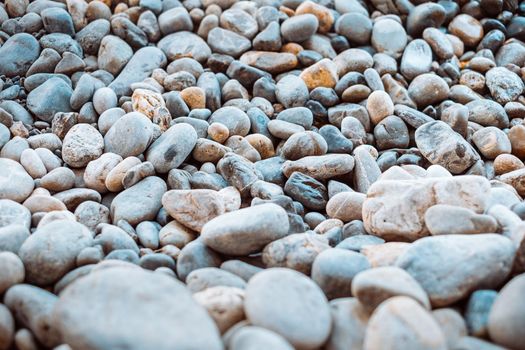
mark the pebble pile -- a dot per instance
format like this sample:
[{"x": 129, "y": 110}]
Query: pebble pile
[{"x": 265, "y": 174}]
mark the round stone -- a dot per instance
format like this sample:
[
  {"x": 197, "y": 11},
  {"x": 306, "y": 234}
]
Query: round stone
[
  {"x": 82, "y": 144},
  {"x": 15, "y": 183},
  {"x": 290, "y": 304}
]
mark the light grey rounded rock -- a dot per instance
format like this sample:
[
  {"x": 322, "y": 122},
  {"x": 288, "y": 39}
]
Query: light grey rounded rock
[
  {"x": 184, "y": 44},
  {"x": 129, "y": 135},
  {"x": 12, "y": 237},
  {"x": 417, "y": 59},
  {"x": 233, "y": 118},
  {"x": 290, "y": 304},
  {"x": 172, "y": 147},
  {"x": 209, "y": 277},
  {"x": 130, "y": 295},
  {"x": 401, "y": 323},
  {"x": 334, "y": 270},
  {"x": 7, "y": 328},
  {"x": 15, "y": 183},
  {"x": 82, "y": 144},
  {"x": 486, "y": 260},
  {"x": 252, "y": 338},
  {"x": 227, "y": 42},
  {"x": 113, "y": 54},
  {"x": 50, "y": 252},
  {"x": 176, "y": 19},
  {"x": 140, "y": 202},
  {"x": 13, "y": 213},
  {"x": 504, "y": 85},
  {"x": 291, "y": 91},
  {"x": 245, "y": 231},
  {"x": 12, "y": 271},
  {"x": 389, "y": 36},
  {"x": 299, "y": 28}
]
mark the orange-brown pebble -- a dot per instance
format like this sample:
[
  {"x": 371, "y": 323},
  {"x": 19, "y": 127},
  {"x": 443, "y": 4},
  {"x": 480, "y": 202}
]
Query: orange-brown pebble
[
  {"x": 288, "y": 11},
  {"x": 323, "y": 14},
  {"x": 356, "y": 93},
  {"x": 218, "y": 132},
  {"x": 322, "y": 73},
  {"x": 505, "y": 163},
  {"x": 292, "y": 48},
  {"x": 517, "y": 140},
  {"x": 194, "y": 97},
  {"x": 262, "y": 144}
]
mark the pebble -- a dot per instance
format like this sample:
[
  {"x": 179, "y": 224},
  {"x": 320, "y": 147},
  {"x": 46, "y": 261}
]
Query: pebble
[
  {"x": 428, "y": 89},
  {"x": 355, "y": 26},
  {"x": 447, "y": 252},
  {"x": 50, "y": 252},
  {"x": 130, "y": 135},
  {"x": 227, "y": 42},
  {"x": 13, "y": 271},
  {"x": 18, "y": 54},
  {"x": 307, "y": 329},
  {"x": 300, "y": 27},
  {"x": 416, "y": 59},
  {"x": 504, "y": 85},
  {"x": 501, "y": 310},
  {"x": 15, "y": 183},
  {"x": 50, "y": 97},
  {"x": 82, "y": 144},
  {"x": 193, "y": 325},
  {"x": 467, "y": 28},
  {"x": 389, "y": 36},
  {"x": 223, "y": 232},
  {"x": 401, "y": 319},
  {"x": 383, "y": 200},
  {"x": 379, "y": 106},
  {"x": 140, "y": 202},
  {"x": 320, "y": 74}
]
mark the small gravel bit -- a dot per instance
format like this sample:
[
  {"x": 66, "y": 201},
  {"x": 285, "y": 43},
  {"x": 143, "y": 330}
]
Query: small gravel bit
[{"x": 262, "y": 174}]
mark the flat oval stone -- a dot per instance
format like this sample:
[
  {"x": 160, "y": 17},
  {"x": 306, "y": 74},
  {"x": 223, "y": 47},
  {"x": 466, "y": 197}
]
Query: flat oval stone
[
  {"x": 228, "y": 42},
  {"x": 441, "y": 145},
  {"x": 49, "y": 98},
  {"x": 140, "y": 202},
  {"x": 402, "y": 320},
  {"x": 432, "y": 261},
  {"x": 193, "y": 208},
  {"x": 172, "y": 147},
  {"x": 290, "y": 304},
  {"x": 17, "y": 54},
  {"x": 130, "y": 135},
  {"x": 184, "y": 44},
  {"x": 246, "y": 230},
  {"x": 50, "y": 252},
  {"x": 417, "y": 59},
  {"x": 126, "y": 305},
  {"x": 15, "y": 183},
  {"x": 139, "y": 67},
  {"x": 504, "y": 85}
]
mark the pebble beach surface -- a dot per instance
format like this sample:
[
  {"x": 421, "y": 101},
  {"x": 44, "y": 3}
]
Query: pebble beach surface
[{"x": 262, "y": 175}]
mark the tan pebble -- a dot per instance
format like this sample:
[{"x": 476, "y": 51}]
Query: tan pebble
[
  {"x": 384, "y": 254},
  {"x": 218, "y": 132},
  {"x": 43, "y": 203},
  {"x": 356, "y": 93},
  {"x": 505, "y": 163},
  {"x": 224, "y": 304},
  {"x": 379, "y": 106},
  {"x": 262, "y": 144},
  {"x": 146, "y": 102},
  {"x": 292, "y": 48},
  {"x": 32, "y": 163},
  {"x": 114, "y": 178},
  {"x": 346, "y": 206},
  {"x": 327, "y": 225},
  {"x": 517, "y": 140},
  {"x": 194, "y": 97},
  {"x": 320, "y": 74},
  {"x": 323, "y": 14}
]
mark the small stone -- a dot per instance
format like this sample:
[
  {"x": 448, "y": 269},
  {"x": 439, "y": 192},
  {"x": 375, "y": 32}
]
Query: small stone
[
  {"x": 447, "y": 219},
  {"x": 291, "y": 91},
  {"x": 166, "y": 155},
  {"x": 49, "y": 98},
  {"x": 355, "y": 26},
  {"x": 401, "y": 320},
  {"x": 15, "y": 183},
  {"x": 12, "y": 271},
  {"x": 440, "y": 145},
  {"x": 487, "y": 113},
  {"x": 250, "y": 337},
  {"x": 240, "y": 22},
  {"x": 184, "y": 44},
  {"x": 440, "y": 256},
  {"x": 320, "y": 74},
  {"x": 17, "y": 54},
  {"x": 407, "y": 224},
  {"x": 130, "y": 135},
  {"x": 320, "y": 167},
  {"x": 82, "y": 144},
  {"x": 228, "y": 42},
  {"x": 491, "y": 142},
  {"x": 113, "y": 54},
  {"x": 423, "y": 16},
  {"x": 323, "y": 14},
  {"x": 467, "y": 28},
  {"x": 428, "y": 89},
  {"x": 502, "y": 310},
  {"x": 504, "y": 85},
  {"x": 294, "y": 291},
  {"x": 478, "y": 310},
  {"x": 193, "y": 208},
  {"x": 226, "y": 233},
  {"x": 50, "y": 252},
  {"x": 417, "y": 59},
  {"x": 193, "y": 326},
  {"x": 140, "y": 202},
  {"x": 379, "y": 106},
  {"x": 224, "y": 304},
  {"x": 173, "y": 20},
  {"x": 7, "y": 328},
  {"x": 272, "y": 62},
  {"x": 299, "y": 28},
  {"x": 389, "y": 36},
  {"x": 334, "y": 271}
]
